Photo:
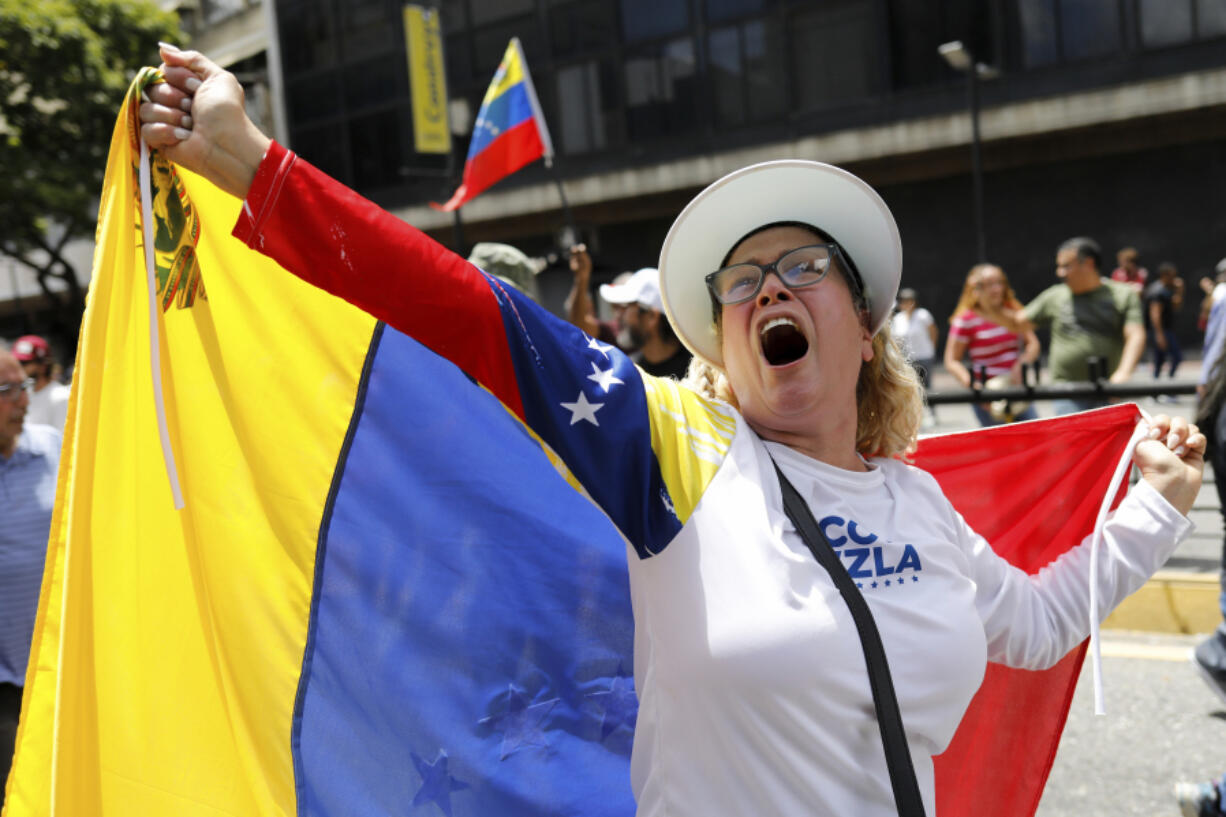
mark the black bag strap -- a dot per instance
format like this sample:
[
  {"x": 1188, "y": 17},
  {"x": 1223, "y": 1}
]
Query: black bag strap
[{"x": 889, "y": 718}]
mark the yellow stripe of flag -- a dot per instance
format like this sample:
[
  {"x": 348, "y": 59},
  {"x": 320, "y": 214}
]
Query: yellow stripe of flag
[
  {"x": 510, "y": 73},
  {"x": 168, "y": 646}
]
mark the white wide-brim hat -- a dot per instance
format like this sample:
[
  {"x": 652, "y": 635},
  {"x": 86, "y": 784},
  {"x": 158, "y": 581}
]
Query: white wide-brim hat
[{"x": 821, "y": 195}]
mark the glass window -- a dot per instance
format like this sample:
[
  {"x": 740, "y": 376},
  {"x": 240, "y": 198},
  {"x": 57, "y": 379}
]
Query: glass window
[
  {"x": 1210, "y": 18},
  {"x": 661, "y": 91},
  {"x": 458, "y": 55},
  {"x": 380, "y": 148},
  {"x": 1165, "y": 22},
  {"x": 582, "y": 27},
  {"x": 375, "y": 82},
  {"x": 216, "y": 10},
  {"x": 489, "y": 44},
  {"x": 314, "y": 97},
  {"x": 727, "y": 70},
  {"x": 647, "y": 19},
  {"x": 582, "y": 104},
  {"x": 767, "y": 85},
  {"x": 491, "y": 11},
  {"x": 454, "y": 14},
  {"x": 323, "y": 147},
  {"x": 307, "y": 41},
  {"x": 835, "y": 56},
  {"x": 367, "y": 27},
  {"x": 1039, "y": 44},
  {"x": 747, "y": 77},
  {"x": 1089, "y": 28},
  {"x": 718, "y": 10}
]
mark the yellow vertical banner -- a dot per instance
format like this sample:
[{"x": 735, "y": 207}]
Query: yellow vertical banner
[{"x": 427, "y": 80}]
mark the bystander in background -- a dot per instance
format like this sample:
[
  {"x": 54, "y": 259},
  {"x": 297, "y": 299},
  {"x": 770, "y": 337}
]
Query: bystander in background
[
  {"x": 644, "y": 327},
  {"x": 509, "y": 265},
  {"x": 1129, "y": 271},
  {"x": 1090, "y": 317},
  {"x": 1209, "y": 657},
  {"x": 580, "y": 310},
  {"x": 49, "y": 401},
  {"x": 29, "y": 458},
  {"x": 1215, "y": 290},
  {"x": 1163, "y": 298},
  {"x": 993, "y": 349},
  {"x": 916, "y": 332}
]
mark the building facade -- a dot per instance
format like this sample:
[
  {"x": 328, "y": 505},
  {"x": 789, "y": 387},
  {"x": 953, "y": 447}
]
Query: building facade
[{"x": 1104, "y": 118}]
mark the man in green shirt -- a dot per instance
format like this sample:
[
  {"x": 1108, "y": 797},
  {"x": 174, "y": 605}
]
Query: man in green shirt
[{"x": 1089, "y": 316}]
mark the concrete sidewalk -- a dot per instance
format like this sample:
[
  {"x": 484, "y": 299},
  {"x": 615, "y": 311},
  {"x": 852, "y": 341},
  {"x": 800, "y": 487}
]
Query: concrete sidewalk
[{"x": 1181, "y": 598}]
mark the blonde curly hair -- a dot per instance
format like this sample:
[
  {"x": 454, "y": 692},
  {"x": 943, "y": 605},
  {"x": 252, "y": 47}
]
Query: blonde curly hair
[{"x": 889, "y": 398}]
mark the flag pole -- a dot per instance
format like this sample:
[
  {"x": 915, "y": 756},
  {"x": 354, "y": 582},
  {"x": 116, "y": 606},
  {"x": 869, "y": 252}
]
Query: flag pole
[
  {"x": 566, "y": 212},
  {"x": 457, "y": 231}
]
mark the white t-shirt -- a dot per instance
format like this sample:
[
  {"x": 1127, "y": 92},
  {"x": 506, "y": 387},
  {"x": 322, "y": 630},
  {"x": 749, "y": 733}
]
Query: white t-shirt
[
  {"x": 49, "y": 406},
  {"x": 912, "y": 332},
  {"x": 747, "y": 661}
]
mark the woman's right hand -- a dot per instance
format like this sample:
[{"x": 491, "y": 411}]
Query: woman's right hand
[{"x": 197, "y": 119}]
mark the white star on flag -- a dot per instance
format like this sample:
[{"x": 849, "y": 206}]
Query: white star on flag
[
  {"x": 581, "y": 409},
  {"x": 606, "y": 379},
  {"x": 592, "y": 343}
]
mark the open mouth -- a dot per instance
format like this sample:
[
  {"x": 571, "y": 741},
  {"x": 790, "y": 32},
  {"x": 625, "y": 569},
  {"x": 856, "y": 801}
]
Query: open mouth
[{"x": 782, "y": 342}]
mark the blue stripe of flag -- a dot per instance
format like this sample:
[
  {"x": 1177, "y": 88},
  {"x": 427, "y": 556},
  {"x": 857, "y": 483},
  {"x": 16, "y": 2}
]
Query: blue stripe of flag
[
  {"x": 510, "y": 108},
  {"x": 471, "y": 631}
]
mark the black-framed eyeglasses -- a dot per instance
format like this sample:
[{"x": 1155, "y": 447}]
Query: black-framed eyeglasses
[
  {"x": 11, "y": 392},
  {"x": 801, "y": 267}
]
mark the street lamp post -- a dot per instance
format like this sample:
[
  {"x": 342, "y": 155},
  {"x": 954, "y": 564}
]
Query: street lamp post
[{"x": 960, "y": 59}]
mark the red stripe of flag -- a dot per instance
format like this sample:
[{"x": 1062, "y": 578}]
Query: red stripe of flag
[{"x": 509, "y": 152}]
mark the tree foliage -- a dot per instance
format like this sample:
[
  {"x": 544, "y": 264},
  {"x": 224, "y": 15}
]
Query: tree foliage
[{"x": 64, "y": 68}]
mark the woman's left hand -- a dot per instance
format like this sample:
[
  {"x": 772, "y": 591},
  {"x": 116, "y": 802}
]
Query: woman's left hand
[{"x": 1172, "y": 460}]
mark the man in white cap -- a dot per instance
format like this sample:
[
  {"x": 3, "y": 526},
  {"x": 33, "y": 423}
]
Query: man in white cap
[{"x": 643, "y": 325}]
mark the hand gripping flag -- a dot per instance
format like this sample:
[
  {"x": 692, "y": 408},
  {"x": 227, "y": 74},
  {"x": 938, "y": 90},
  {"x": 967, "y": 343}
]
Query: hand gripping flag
[
  {"x": 383, "y": 594},
  {"x": 509, "y": 133}
]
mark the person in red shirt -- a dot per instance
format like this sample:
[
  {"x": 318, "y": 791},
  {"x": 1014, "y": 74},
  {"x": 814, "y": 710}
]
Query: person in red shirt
[
  {"x": 1128, "y": 271},
  {"x": 992, "y": 348}
]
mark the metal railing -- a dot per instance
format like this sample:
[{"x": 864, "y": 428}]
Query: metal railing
[{"x": 1030, "y": 389}]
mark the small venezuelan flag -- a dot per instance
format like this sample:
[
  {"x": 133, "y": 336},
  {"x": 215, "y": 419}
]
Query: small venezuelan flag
[{"x": 509, "y": 133}]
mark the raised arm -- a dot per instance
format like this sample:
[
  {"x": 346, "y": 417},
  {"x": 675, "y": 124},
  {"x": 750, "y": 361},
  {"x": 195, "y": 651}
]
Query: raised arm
[
  {"x": 1134, "y": 347},
  {"x": 1015, "y": 320},
  {"x": 579, "y": 309},
  {"x": 625, "y": 436},
  {"x": 955, "y": 348},
  {"x": 322, "y": 231}
]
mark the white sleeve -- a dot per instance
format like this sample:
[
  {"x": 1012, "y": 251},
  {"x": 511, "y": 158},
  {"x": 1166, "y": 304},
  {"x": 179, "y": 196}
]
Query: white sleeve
[
  {"x": 59, "y": 408},
  {"x": 1031, "y": 622}
]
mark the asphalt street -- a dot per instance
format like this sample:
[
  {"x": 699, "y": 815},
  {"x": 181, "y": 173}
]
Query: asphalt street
[{"x": 1163, "y": 724}]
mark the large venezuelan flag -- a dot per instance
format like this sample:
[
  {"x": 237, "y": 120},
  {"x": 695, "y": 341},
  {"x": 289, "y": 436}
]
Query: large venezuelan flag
[
  {"x": 375, "y": 600},
  {"x": 510, "y": 130},
  {"x": 383, "y": 596}
]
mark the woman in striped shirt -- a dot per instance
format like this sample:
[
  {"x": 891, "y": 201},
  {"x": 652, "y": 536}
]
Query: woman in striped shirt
[{"x": 991, "y": 347}]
